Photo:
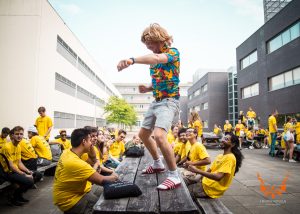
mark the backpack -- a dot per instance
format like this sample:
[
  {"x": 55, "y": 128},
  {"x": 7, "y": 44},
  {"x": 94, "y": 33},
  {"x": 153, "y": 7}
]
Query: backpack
[{"x": 134, "y": 151}]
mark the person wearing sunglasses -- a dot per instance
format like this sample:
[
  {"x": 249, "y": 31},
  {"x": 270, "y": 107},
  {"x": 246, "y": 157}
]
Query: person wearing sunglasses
[
  {"x": 217, "y": 179},
  {"x": 117, "y": 149},
  {"x": 63, "y": 141}
]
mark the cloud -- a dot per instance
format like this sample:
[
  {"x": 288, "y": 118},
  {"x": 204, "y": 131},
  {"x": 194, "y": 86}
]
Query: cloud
[
  {"x": 72, "y": 9},
  {"x": 250, "y": 8}
]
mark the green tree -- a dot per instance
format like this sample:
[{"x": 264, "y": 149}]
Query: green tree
[{"x": 120, "y": 112}]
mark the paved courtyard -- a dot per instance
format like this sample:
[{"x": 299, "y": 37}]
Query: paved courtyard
[{"x": 244, "y": 195}]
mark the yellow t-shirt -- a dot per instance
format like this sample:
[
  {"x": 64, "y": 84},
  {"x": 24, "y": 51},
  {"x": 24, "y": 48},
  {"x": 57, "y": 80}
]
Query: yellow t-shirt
[
  {"x": 2, "y": 142},
  {"x": 85, "y": 156},
  {"x": 251, "y": 114},
  {"x": 42, "y": 125},
  {"x": 177, "y": 147},
  {"x": 198, "y": 124},
  {"x": 227, "y": 127},
  {"x": 198, "y": 152},
  {"x": 225, "y": 164},
  {"x": 41, "y": 147},
  {"x": 297, "y": 130},
  {"x": 261, "y": 132},
  {"x": 184, "y": 150},
  {"x": 249, "y": 135},
  {"x": 116, "y": 149},
  {"x": 170, "y": 137},
  {"x": 238, "y": 129},
  {"x": 272, "y": 122},
  {"x": 12, "y": 153},
  {"x": 27, "y": 150},
  {"x": 217, "y": 131},
  {"x": 70, "y": 181},
  {"x": 66, "y": 144}
]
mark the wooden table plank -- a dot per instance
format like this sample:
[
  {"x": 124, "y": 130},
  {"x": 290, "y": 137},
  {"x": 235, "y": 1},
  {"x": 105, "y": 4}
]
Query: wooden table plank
[
  {"x": 126, "y": 171},
  {"x": 178, "y": 200},
  {"x": 148, "y": 202}
]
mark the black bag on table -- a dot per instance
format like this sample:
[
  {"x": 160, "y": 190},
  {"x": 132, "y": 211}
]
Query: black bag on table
[
  {"x": 134, "y": 151},
  {"x": 119, "y": 189}
]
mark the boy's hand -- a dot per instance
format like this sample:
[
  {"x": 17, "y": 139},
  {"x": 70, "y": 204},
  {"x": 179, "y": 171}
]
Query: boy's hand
[{"x": 125, "y": 63}]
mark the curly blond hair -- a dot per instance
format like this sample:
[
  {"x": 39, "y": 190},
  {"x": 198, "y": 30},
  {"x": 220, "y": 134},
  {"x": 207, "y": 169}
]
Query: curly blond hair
[{"x": 156, "y": 33}]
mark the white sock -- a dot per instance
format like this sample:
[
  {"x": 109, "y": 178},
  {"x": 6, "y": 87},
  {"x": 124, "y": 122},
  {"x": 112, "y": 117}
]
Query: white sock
[
  {"x": 173, "y": 174},
  {"x": 158, "y": 164}
]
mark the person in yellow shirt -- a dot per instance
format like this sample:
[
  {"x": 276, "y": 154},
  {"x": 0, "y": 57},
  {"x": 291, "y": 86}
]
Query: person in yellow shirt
[
  {"x": 273, "y": 131},
  {"x": 288, "y": 143},
  {"x": 242, "y": 118},
  {"x": 227, "y": 127},
  {"x": 297, "y": 131},
  {"x": 72, "y": 189},
  {"x": 251, "y": 116},
  {"x": 15, "y": 171},
  {"x": 43, "y": 123},
  {"x": 172, "y": 136},
  {"x": 63, "y": 141},
  {"x": 262, "y": 136},
  {"x": 240, "y": 132},
  {"x": 117, "y": 148},
  {"x": 181, "y": 156},
  {"x": 218, "y": 178},
  {"x": 196, "y": 123},
  {"x": 197, "y": 157},
  {"x": 41, "y": 147},
  {"x": 3, "y": 137}
]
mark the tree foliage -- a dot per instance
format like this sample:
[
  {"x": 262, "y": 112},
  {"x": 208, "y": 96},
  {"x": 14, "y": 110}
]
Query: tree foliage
[{"x": 120, "y": 112}]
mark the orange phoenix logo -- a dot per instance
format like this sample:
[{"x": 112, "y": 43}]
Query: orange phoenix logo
[{"x": 272, "y": 190}]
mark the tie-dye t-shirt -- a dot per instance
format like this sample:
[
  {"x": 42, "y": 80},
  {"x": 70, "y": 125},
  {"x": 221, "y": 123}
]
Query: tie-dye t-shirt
[{"x": 165, "y": 77}]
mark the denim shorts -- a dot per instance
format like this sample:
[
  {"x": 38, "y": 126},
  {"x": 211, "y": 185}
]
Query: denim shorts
[{"x": 162, "y": 114}]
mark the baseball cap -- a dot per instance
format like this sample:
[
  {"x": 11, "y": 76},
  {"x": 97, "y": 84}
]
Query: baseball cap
[{"x": 32, "y": 129}]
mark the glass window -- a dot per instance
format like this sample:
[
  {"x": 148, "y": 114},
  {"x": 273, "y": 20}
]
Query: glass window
[
  {"x": 277, "y": 82},
  {"x": 250, "y": 91},
  {"x": 296, "y": 75},
  {"x": 245, "y": 63},
  {"x": 286, "y": 37},
  {"x": 288, "y": 78},
  {"x": 204, "y": 88},
  {"x": 275, "y": 43},
  {"x": 253, "y": 57},
  {"x": 295, "y": 31}
]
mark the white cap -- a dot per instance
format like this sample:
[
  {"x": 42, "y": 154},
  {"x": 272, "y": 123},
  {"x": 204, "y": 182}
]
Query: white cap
[{"x": 32, "y": 129}]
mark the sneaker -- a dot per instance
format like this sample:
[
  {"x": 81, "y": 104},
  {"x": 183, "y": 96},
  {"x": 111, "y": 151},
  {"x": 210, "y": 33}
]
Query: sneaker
[
  {"x": 284, "y": 159},
  {"x": 292, "y": 161},
  {"x": 251, "y": 147},
  {"x": 22, "y": 200}
]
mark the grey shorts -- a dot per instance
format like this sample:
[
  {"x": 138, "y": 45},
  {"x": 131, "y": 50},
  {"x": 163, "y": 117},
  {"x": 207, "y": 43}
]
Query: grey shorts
[{"x": 162, "y": 114}]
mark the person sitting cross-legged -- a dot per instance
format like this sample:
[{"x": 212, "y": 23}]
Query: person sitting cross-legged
[
  {"x": 197, "y": 157},
  {"x": 218, "y": 178},
  {"x": 73, "y": 191}
]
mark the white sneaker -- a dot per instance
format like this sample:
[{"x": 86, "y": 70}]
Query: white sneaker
[
  {"x": 251, "y": 147},
  {"x": 292, "y": 161},
  {"x": 284, "y": 159}
]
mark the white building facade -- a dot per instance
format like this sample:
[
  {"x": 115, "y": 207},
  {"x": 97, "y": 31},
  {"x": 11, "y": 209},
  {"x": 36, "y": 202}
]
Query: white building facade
[{"x": 44, "y": 64}]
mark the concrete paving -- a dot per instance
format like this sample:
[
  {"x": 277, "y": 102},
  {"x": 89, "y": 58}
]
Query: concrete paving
[{"x": 244, "y": 195}]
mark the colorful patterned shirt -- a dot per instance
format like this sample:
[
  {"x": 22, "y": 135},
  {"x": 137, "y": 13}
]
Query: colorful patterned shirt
[{"x": 165, "y": 77}]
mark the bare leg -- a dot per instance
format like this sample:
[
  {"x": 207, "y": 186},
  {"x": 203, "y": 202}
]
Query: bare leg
[
  {"x": 291, "y": 144},
  {"x": 161, "y": 139},
  {"x": 285, "y": 150},
  {"x": 145, "y": 136}
]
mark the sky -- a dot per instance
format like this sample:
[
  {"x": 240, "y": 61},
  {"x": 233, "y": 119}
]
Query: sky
[{"x": 205, "y": 32}]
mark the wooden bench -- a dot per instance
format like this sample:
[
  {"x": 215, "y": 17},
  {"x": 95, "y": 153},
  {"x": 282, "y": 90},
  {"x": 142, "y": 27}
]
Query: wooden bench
[
  {"x": 151, "y": 201},
  {"x": 209, "y": 206}
]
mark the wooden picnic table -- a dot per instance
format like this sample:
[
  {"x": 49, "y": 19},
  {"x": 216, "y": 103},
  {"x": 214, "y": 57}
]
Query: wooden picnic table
[{"x": 151, "y": 201}]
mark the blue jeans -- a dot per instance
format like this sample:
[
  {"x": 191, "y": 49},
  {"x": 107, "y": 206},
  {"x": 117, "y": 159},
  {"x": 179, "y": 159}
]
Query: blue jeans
[{"x": 273, "y": 143}]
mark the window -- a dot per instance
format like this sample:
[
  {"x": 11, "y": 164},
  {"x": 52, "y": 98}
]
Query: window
[
  {"x": 250, "y": 91},
  {"x": 82, "y": 121},
  {"x": 63, "y": 48},
  {"x": 197, "y": 108},
  {"x": 64, "y": 120},
  {"x": 204, "y": 88},
  {"x": 85, "y": 95},
  {"x": 248, "y": 60},
  {"x": 204, "y": 106},
  {"x": 283, "y": 38},
  {"x": 286, "y": 79},
  {"x": 64, "y": 85},
  {"x": 196, "y": 93}
]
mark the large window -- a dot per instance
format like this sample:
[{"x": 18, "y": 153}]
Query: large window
[
  {"x": 67, "y": 52},
  {"x": 204, "y": 106},
  {"x": 286, "y": 79},
  {"x": 196, "y": 93},
  {"x": 64, "y": 85},
  {"x": 64, "y": 120},
  {"x": 204, "y": 88},
  {"x": 248, "y": 60},
  {"x": 283, "y": 38},
  {"x": 250, "y": 91},
  {"x": 82, "y": 121}
]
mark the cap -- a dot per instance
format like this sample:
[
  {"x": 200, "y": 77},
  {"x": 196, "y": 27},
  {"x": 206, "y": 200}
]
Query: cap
[{"x": 32, "y": 129}]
